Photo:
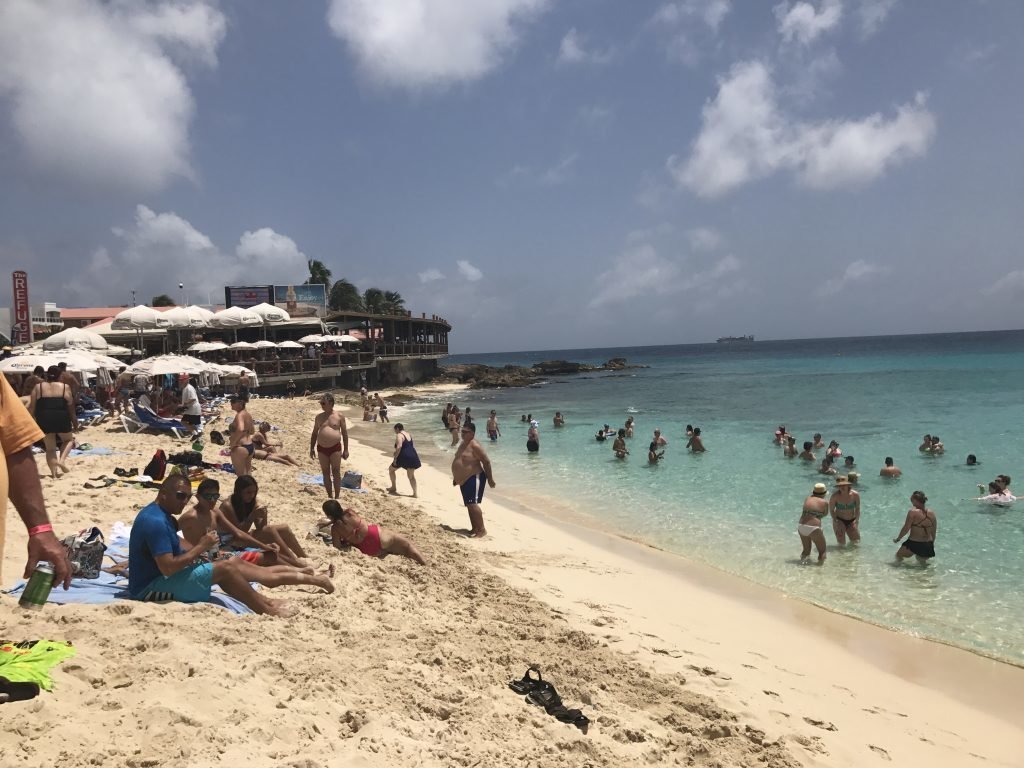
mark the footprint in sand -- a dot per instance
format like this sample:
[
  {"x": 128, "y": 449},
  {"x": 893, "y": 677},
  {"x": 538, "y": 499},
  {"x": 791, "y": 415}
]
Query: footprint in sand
[
  {"x": 880, "y": 752},
  {"x": 773, "y": 694},
  {"x": 820, "y": 724}
]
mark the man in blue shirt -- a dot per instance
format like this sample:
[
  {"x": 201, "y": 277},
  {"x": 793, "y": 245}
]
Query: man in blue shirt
[{"x": 161, "y": 568}]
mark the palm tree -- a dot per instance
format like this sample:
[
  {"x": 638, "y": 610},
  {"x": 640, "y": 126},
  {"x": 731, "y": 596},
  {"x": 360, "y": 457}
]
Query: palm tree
[
  {"x": 373, "y": 301},
  {"x": 344, "y": 295},
  {"x": 163, "y": 300},
  {"x": 319, "y": 274},
  {"x": 394, "y": 304}
]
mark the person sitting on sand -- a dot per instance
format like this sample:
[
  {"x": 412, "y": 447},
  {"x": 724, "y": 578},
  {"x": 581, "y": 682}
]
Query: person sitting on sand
[
  {"x": 922, "y": 525},
  {"x": 806, "y": 455},
  {"x": 329, "y": 443},
  {"x": 558, "y": 420},
  {"x": 695, "y": 444},
  {"x": 790, "y": 451},
  {"x": 160, "y": 568},
  {"x": 619, "y": 446},
  {"x": 815, "y": 508},
  {"x": 471, "y": 469},
  {"x": 405, "y": 457},
  {"x": 926, "y": 444},
  {"x": 493, "y": 432},
  {"x": 844, "y": 506},
  {"x": 242, "y": 511},
  {"x": 347, "y": 527},
  {"x": 206, "y": 516},
  {"x": 268, "y": 451},
  {"x": 890, "y": 469}
]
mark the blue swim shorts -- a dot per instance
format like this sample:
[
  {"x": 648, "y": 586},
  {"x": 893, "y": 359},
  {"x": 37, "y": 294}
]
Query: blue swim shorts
[
  {"x": 473, "y": 489},
  {"x": 189, "y": 585}
]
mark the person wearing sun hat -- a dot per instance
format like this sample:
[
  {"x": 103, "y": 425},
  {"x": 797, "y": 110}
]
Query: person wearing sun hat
[
  {"x": 814, "y": 509},
  {"x": 845, "y": 508}
]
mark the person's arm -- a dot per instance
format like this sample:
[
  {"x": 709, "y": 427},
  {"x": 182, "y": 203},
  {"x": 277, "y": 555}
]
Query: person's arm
[
  {"x": 338, "y": 539},
  {"x": 904, "y": 530},
  {"x": 344, "y": 438},
  {"x": 225, "y": 525},
  {"x": 935, "y": 527},
  {"x": 856, "y": 510},
  {"x": 832, "y": 505},
  {"x": 399, "y": 439},
  {"x": 71, "y": 410},
  {"x": 26, "y": 494},
  {"x": 485, "y": 463},
  {"x": 312, "y": 437},
  {"x": 169, "y": 563}
]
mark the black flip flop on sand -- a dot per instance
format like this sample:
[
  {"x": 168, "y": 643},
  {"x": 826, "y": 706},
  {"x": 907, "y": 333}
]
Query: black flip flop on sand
[
  {"x": 527, "y": 683},
  {"x": 17, "y": 691}
]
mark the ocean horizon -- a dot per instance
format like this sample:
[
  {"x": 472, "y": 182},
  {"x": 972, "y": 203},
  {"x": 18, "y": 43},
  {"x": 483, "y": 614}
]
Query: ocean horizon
[{"x": 736, "y": 506}]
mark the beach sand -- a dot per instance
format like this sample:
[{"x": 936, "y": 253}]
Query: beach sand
[{"x": 674, "y": 664}]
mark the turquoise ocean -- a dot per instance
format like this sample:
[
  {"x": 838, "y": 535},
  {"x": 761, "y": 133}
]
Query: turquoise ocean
[{"x": 736, "y": 506}]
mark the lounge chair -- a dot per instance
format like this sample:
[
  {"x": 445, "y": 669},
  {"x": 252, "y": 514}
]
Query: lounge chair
[{"x": 143, "y": 419}]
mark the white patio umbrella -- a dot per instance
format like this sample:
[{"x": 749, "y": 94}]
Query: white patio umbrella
[
  {"x": 76, "y": 360},
  {"x": 264, "y": 344},
  {"x": 270, "y": 313},
  {"x": 138, "y": 317},
  {"x": 236, "y": 317},
  {"x": 207, "y": 346},
  {"x": 186, "y": 317},
  {"x": 164, "y": 364},
  {"x": 344, "y": 338},
  {"x": 313, "y": 338},
  {"x": 75, "y": 337},
  {"x": 289, "y": 344},
  {"x": 200, "y": 312},
  {"x": 242, "y": 345}
]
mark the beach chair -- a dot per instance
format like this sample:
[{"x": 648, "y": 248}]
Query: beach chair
[{"x": 144, "y": 419}]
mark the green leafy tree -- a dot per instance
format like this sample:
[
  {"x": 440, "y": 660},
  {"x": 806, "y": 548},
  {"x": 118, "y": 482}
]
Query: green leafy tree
[
  {"x": 345, "y": 296},
  {"x": 319, "y": 274},
  {"x": 163, "y": 300},
  {"x": 373, "y": 301},
  {"x": 394, "y": 304}
]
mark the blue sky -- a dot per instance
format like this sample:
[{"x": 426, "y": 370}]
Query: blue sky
[{"x": 543, "y": 173}]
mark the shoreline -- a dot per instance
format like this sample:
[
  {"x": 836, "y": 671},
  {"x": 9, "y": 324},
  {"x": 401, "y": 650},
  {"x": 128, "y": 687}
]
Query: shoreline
[{"x": 983, "y": 685}]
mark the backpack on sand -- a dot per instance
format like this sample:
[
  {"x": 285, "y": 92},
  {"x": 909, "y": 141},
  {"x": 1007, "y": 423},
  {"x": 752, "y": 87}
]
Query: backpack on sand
[{"x": 157, "y": 467}]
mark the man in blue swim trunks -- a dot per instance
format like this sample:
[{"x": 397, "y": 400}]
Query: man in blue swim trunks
[
  {"x": 471, "y": 469},
  {"x": 159, "y": 568}
]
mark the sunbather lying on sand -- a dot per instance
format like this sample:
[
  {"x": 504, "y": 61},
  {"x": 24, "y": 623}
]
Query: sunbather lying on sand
[{"x": 348, "y": 527}]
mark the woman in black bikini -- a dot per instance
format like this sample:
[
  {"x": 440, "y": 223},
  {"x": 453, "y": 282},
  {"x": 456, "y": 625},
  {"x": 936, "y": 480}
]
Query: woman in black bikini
[
  {"x": 54, "y": 412},
  {"x": 922, "y": 525}
]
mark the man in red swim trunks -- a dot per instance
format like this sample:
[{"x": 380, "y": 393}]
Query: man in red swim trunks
[{"x": 329, "y": 443}]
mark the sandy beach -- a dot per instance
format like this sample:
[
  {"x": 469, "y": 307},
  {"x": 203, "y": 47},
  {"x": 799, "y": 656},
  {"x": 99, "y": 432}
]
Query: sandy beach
[{"x": 674, "y": 664}]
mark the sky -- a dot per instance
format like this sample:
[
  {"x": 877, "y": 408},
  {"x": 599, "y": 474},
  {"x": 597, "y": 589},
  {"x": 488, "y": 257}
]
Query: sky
[{"x": 545, "y": 174}]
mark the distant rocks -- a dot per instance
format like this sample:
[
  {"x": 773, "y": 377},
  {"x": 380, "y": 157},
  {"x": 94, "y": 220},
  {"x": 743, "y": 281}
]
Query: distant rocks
[{"x": 489, "y": 377}]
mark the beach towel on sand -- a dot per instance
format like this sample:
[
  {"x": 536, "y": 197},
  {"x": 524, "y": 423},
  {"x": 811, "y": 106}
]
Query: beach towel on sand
[{"x": 31, "y": 661}]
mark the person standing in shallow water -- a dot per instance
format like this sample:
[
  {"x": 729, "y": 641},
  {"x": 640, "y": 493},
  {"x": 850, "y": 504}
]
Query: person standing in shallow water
[
  {"x": 533, "y": 438},
  {"x": 815, "y": 508},
  {"x": 922, "y": 525},
  {"x": 471, "y": 469},
  {"x": 844, "y": 507}
]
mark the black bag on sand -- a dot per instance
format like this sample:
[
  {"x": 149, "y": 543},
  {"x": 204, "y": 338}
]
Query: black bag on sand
[{"x": 157, "y": 466}]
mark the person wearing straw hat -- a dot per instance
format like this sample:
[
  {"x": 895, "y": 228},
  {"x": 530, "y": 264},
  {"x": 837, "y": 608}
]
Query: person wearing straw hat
[
  {"x": 845, "y": 509},
  {"x": 815, "y": 508}
]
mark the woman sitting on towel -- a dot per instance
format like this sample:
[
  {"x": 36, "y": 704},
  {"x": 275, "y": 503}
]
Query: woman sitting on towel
[
  {"x": 266, "y": 450},
  {"x": 347, "y": 527},
  {"x": 244, "y": 514}
]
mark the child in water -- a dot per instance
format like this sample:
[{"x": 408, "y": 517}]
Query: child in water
[{"x": 347, "y": 527}]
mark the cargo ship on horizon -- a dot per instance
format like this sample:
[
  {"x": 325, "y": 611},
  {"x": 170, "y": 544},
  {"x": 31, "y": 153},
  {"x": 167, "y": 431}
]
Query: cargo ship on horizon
[{"x": 735, "y": 340}]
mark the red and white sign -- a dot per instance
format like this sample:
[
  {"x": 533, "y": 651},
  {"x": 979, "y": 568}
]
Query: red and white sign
[{"x": 21, "y": 330}]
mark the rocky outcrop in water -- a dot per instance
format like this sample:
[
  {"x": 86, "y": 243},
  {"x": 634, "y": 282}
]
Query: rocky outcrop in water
[{"x": 490, "y": 377}]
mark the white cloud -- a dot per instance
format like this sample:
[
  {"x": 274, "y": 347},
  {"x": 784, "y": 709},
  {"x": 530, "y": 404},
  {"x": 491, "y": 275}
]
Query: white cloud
[
  {"x": 274, "y": 257},
  {"x": 683, "y": 40},
  {"x": 855, "y": 272},
  {"x": 711, "y": 12},
  {"x": 704, "y": 239},
  {"x": 746, "y": 136},
  {"x": 872, "y": 14},
  {"x": 573, "y": 50},
  {"x": 553, "y": 176},
  {"x": 560, "y": 172},
  {"x": 431, "y": 275},
  {"x": 468, "y": 271},
  {"x": 1011, "y": 283},
  {"x": 802, "y": 22},
  {"x": 424, "y": 43},
  {"x": 94, "y": 91}
]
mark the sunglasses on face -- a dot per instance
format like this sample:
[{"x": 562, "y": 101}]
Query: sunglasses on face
[
  {"x": 183, "y": 495},
  {"x": 210, "y": 496}
]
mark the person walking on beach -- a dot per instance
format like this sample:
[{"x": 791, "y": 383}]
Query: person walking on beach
[
  {"x": 922, "y": 525},
  {"x": 406, "y": 458},
  {"x": 329, "y": 443},
  {"x": 493, "y": 432},
  {"x": 193, "y": 413},
  {"x": 19, "y": 482},
  {"x": 814, "y": 509},
  {"x": 122, "y": 390},
  {"x": 844, "y": 506},
  {"x": 533, "y": 438},
  {"x": 52, "y": 405},
  {"x": 890, "y": 469},
  {"x": 471, "y": 469},
  {"x": 240, "y": 432}
]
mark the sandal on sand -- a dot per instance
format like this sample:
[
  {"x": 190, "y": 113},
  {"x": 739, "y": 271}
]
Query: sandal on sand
[
  {"x": 544, "y": 695},
  {"x": 528, "y": 683},
  {"x": 17, "y": 691},
  {"x": 571, "y": 716}
]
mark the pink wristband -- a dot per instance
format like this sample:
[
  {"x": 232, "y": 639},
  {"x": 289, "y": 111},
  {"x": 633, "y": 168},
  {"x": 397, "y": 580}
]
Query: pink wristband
[{"x": 40, "y": 529}]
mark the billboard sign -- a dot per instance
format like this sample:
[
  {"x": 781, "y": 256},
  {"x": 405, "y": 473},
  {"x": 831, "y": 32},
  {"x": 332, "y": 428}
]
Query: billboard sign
[
  {"x": 302, "y": 300},
  {"x": 246, "y": 296},
  {"x": 21, "y": 329}
]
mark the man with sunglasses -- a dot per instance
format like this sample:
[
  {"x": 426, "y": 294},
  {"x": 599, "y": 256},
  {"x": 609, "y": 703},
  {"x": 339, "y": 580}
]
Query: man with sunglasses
[
  {"x": 471, "y": 469},
  {"x": 161, "y": 569}
]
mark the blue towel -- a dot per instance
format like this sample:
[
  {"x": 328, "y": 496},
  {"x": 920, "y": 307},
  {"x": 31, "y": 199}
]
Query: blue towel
[
  {"x": 94, "y": 451},
  {"x": 307, "y": 479},
  {"x": 107, "y": 587}
]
